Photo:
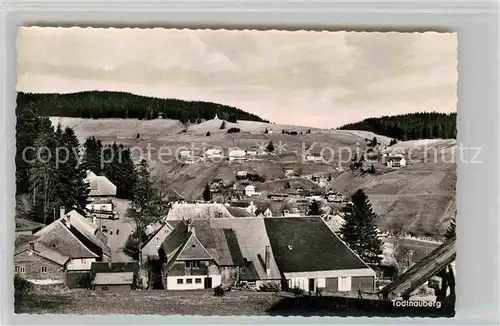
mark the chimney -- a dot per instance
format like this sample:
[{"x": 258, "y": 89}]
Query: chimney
[
  {"x": 62, "y": 211},
  {"x": 94, "y": 219},
  {"x": 32, "y": 245},
  {"x": 267, "y": 261},
  {"x": 190, "y": 226},
  {"x": 410, "y": 259}
]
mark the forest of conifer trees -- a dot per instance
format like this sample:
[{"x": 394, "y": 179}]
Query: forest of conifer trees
[
  {"x": 98, "y": 104},
  {"x": 410, "y": 126}
]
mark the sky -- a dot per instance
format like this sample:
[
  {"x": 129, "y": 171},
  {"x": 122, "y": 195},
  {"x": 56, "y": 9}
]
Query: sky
[{"x": 317, "y": 79}]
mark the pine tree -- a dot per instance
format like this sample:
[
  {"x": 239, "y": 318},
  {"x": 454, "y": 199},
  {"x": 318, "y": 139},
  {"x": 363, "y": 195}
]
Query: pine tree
[
  {"x": 314, "y": 208},
  {"x": 270, "y": 146},
  {"x": 73, "y": 190},
  {"x": 208, "y": 133},
  {"x": 451, "y": 231},
  {"x": 207, "y": 196},
  {"x": 223, "y": 125},
  {"x": 359, "y": 230}
]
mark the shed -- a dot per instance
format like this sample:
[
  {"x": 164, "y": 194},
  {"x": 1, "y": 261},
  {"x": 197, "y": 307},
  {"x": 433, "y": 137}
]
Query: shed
[{"x": 114, "y": 281}]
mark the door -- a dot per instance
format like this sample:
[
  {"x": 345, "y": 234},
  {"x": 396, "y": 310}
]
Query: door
[
  {"x": 208, "y": 283},
  {"x": 311, "y": 285},
  {"x": 344, "y": 284}
]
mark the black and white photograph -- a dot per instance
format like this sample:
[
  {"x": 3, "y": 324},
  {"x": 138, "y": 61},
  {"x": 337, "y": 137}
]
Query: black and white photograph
[{"x": 235, "y": 172}]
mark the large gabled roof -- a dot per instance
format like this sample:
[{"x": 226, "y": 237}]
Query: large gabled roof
[
  {"x": 58, "y": 237},
  {"x": 100, "y": 185},
  {"x": 197, "y": 211},
  {"x": 306, "y": 244}
]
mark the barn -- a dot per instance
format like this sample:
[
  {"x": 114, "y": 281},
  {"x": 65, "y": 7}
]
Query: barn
[{"x": 312, "y": 257}]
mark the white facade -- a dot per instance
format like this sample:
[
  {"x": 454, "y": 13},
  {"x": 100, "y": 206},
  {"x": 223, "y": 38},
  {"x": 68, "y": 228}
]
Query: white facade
[
  {"x": 252, "y": 152},
  {"x": 185, "y": 154},
  {"x": 396, "y": 162},
  {"x": 250, "y": 190},
  {"x": 251, "y": 208},
  {"x": 214, "y": 152},
  {"x": 313, "y": 158},
  {"x": 237, "y": 155},
  {"x": 196, "y": 282},
  {"x": 344, "y": 278},
  {"x": 79, "y": 264},
  {"x": 268, "y": 213}
]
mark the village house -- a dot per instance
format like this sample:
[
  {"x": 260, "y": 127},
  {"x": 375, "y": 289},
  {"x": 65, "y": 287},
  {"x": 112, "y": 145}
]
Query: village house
[
  {"x": 314, "y": 158},
  {"x": 101, "y": 195},
  {"x": 201, "y": 254},
  {"x": 294, "y": 212},
  {"x": 237, "y": 155},
  {"x": 264, "y": 212},
  {"x": 335, "y": 197},
  {"x": 114, "y": 277},
  {"x": 395, "y": 161},
  {"x": 330, "y": 265},
  {"x": 213, "y": 153},
  {"x": 67, "y": 246},
  {"x": 252, "y": 151},
  {"x": 289, "y": 172},
  {"x": 185, "y": 154},
  {"x": 250, "y": 191}
]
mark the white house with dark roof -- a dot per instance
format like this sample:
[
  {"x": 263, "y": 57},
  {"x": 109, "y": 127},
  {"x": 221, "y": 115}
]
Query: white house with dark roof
[
  {"x": 312, "y": 257},
  {"x": 102, "y": 192},
  {"x": 202, "y": 254}
]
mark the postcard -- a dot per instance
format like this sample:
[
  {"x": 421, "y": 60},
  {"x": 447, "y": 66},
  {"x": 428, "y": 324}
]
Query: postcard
[{"x": 243, "y": 172}]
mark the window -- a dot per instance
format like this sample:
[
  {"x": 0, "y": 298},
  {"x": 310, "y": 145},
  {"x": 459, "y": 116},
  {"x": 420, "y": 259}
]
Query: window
[
  {"x": 44, "y": 269},
  {"x": 19, "y": 269},
  {"x": 197, "y": 280},
  {"x": 195, "y": 264},
  {"x": 180, "y": 281},
  {"x": 188, "y": 264},
  {"x": 189, "y": 281},
  {"x": 83, "y": 261}
]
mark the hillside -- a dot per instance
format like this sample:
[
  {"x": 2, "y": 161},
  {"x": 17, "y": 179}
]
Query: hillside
[
  {"x": 410, "y": 126},
  {"x": 103, "y": 104},
  {"x": 419, "y": 197}
]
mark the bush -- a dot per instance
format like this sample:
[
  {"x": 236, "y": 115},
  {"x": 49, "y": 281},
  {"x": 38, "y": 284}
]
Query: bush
[
  {"x": 231, "y": 130},
  {"x": 219, "y": 291},
  {"x": 297, "y": 291},
  {"x": 208, "y": 133},
  {"x": 138, "y": 136},
  {"x": 21, "y": 285}
]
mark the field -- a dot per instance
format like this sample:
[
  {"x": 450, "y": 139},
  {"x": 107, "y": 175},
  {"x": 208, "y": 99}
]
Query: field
[
  {"x": 202, "y": 302},
  {"x": 419, "y": 198}
]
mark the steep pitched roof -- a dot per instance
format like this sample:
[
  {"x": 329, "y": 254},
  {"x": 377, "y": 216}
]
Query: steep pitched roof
[
  {"x": 44, "y": 252},
  {"x": 58, "y": 237},
  {"x": 100, "y": 185},
  {"x": 250, "y": 234},
  {"x": 194, "y": 249},
  {"x": 303, "y": 244},
  {"x": 85, "y": 231},
  {"x": 197, "y": 211}
]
